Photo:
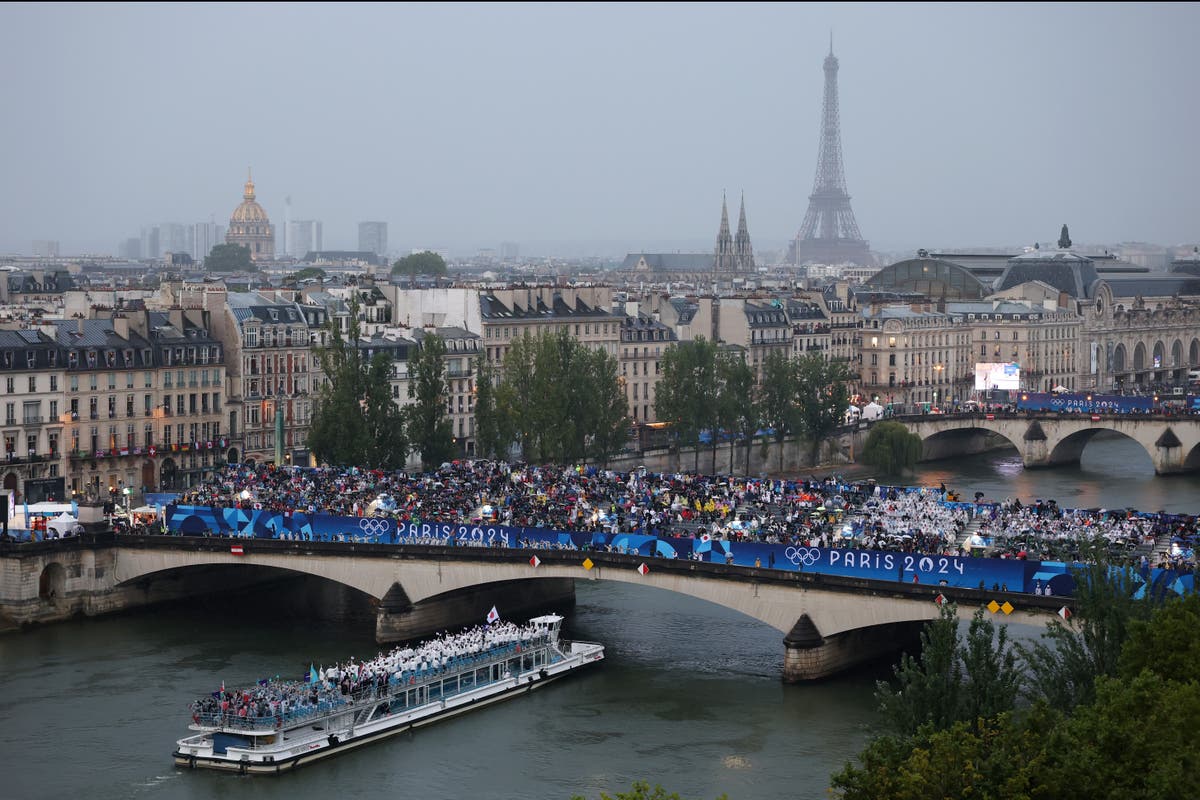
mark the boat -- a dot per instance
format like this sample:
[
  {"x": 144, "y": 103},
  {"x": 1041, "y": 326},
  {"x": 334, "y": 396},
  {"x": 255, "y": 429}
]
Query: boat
[{"x": 277, "y": 726}]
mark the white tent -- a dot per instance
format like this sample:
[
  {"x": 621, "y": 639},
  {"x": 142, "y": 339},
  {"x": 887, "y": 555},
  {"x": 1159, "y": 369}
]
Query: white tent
[
  {"x": 872, "y": 410},
  {"x": 852, "y": 413},
  {"x": 64, "y": 525}
]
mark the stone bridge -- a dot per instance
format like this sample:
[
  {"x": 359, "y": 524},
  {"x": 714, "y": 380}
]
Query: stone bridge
[
  {"x": 1046, "y": 440},
  {"x": 829, "y": 623}
]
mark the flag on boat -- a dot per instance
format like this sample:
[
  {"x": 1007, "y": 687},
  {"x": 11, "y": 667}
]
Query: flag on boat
[
  {"x": 493, "y": 616},
  {"x": 313, "y": 677},
  {"x": 533, "y": 562},
  {"x": 236, "y": 549}
]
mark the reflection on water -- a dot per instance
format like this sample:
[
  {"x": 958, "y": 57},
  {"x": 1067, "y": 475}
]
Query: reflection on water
[{"x": 1113, "y": 472}]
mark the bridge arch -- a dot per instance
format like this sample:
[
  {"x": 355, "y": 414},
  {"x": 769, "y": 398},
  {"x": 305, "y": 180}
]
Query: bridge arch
[
  {"x": 1069, "y": 448},
  {"x": 957, "y": 441},
  {"x": 52, "y": 583}
]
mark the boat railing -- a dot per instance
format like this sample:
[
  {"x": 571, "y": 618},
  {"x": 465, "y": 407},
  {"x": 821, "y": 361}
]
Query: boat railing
[{"x": 369, "y": 693}]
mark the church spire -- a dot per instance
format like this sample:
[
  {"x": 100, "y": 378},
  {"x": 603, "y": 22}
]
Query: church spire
[
  {"x": 742, "y": 250},
  {"x": 725, "y": 261}
]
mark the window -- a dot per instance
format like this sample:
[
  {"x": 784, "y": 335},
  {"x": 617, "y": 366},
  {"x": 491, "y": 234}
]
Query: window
[
  {"x": 53, "y": 410},
  {"x": 10, "y": 385},
  {"x": 54, "y": 383},
  {"x": 33, "y": 383}
]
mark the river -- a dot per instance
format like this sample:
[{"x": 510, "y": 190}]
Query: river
[{"x": 689, "y": 695}]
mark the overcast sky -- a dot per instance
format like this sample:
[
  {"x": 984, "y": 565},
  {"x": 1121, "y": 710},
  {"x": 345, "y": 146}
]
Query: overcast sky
[{"x": 600, "y": 128}]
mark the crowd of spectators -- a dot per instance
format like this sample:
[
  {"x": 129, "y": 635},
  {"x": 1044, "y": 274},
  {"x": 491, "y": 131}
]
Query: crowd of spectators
[{"x": 825, "y": 512}]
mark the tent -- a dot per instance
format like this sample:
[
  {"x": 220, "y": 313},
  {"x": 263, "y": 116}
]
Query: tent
[
  {"x": 852, "y": 413},
  {"x": 64, "y": 525},
  {"x": 872, "y": 411}
]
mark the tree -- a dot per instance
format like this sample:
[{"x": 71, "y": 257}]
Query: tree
[
  {"x": 1064, "y": 665},
  {"x": 951, "y": 681},
  {"x": 424, "y": 263},
  {"x": 491, "y": 436},
  {"x": 355, "y": 422},
  {"x": 607, "y": 413},
  {"x": 686, "y": 395},
  {"x": 777, "y": 399},
  {"x": 514, "y": 395},
  {"x": 1166, "y": 644},
  {"x": 429, "y": 427},
  {"x": 823, "y": 397},
  {"x": 229, "y": 258},
  {"x": 890, "y": 448},
  {"x": 737, "y": 411}
]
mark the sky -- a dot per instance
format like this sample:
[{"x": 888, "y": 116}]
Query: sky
[{"x": 600, "y": 129}]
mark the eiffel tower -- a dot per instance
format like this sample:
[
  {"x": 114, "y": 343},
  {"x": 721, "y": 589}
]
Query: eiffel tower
[{"x": 829, "y": 233}]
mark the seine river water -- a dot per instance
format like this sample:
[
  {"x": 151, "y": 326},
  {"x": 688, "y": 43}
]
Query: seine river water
[{"x": 689, "y": 696}]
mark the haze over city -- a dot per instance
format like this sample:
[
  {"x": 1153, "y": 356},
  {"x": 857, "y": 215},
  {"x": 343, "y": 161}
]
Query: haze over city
[{"x": 599, "y": 129}]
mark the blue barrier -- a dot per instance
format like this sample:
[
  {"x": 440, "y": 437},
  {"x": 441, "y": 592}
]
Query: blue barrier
[{"x": 1013, "y": 575}]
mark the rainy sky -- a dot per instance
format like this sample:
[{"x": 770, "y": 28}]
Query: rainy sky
[{"x": 600, "y": 129}]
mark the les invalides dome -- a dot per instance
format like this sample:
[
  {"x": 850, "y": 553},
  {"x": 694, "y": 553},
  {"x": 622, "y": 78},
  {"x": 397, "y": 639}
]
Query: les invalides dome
[{"x": 249, "y": 226}]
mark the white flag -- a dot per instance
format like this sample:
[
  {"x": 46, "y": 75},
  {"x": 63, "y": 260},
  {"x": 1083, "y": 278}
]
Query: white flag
[{"x": 493, "y": 615}]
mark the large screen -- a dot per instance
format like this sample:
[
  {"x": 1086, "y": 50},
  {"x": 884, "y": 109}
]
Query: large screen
[{"x": 997, "y": 376}]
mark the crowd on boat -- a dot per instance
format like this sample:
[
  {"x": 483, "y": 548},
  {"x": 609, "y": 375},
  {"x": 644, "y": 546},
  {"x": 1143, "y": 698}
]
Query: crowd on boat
[
  {"x": 272, "y": 702},
  {"x": 825, "y": 512}
]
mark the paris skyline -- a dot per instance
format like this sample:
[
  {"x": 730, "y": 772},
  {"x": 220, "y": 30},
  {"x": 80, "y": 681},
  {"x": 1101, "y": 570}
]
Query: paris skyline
[{"x": 606, "y": 128}]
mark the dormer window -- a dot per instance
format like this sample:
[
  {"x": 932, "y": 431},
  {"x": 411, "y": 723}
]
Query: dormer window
[
  {"x": 72, "y": 359},
  {"x": 128, "y": 358},
  {"x": 91, "y": 358},
  {"x": 30, "y": 357}
]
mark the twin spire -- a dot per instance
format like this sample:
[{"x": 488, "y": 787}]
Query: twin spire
[{"x": 734, "y": 253}]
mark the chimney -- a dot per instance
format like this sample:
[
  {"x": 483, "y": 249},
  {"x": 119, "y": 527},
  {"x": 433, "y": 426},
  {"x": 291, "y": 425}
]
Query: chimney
[{"x": 121, "y": 326}]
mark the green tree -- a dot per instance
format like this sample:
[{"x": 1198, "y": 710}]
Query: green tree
[
  {"x": 491, "y": 434},
  {"x": 778, "y": 405},
  {"x": 229, "y": 258},
  {"x": 686, "y": 394},
  {"x": 1064, "y": 665},
  {"x": 515, "y": 392},
  {"x": 429, "y": 427},
  {"x": 952, "y": 680},
  {"x": 607, "y": 413},
  {"x": 737, "y": 410},
  {"x": 890, "y": 448},
  {"x": 823, "y": 397},
  {"x": 1166, "y": 644},
  {"x": 423, "y": 263},
  {"x": 355, "y": 422}
]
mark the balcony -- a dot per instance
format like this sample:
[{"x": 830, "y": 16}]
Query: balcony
[
  {"x": 32, "y": 458},
  {"x": 33, "y": 420},
  {"x": 10, "y": 421},
  {"x": 94, "y": 415}
]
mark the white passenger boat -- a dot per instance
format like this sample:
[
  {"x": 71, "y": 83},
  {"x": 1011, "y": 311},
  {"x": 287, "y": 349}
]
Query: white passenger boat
[{"x": 276, "y": 726}]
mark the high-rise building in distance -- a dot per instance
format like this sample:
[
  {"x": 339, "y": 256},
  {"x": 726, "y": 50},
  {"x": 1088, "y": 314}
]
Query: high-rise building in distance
[
  {"x": 206, "y": 236},
  {"x": 509, "y": 251},
  {"x": 303, "y": 237},
  {"x": 372, "y": 237},
  {"x": 45, "y": 248}
]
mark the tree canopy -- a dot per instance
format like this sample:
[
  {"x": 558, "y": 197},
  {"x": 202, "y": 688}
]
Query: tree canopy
[
  {"x": 559, "y": 399},
  {"x": 423, "y": 263},
  {"x": 430, "y": 428},
  {"x": 891, "y": 448},
  {"x": 229, "y": 258},
  {"x": 1113, "y": 703},
  {"x": 355, "y": 421}
]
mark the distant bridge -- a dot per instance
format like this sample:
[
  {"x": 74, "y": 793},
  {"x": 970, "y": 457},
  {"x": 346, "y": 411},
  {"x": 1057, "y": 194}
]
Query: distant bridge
[
  {"x": 830, "y": 622},
  {"x": 1046, "y": 440}
]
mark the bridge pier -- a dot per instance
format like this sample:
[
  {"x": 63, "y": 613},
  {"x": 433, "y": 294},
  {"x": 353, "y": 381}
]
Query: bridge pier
[
  {"x": 808, "y": 656},
  {"x": 399, "y": 620}
]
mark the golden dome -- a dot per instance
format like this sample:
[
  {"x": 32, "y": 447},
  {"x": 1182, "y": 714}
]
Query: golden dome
[{"x": 249, "y": 210}]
